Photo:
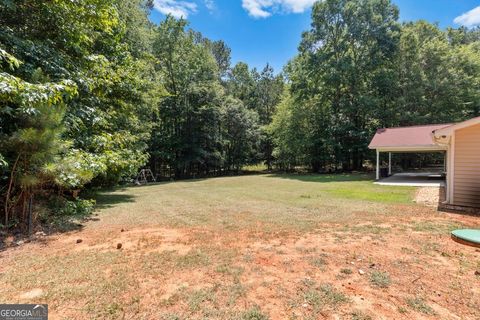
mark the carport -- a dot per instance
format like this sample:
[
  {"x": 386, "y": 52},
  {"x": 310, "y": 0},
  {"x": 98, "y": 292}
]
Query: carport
[
  {"x": 414, "y": 139},
  {"x": 414, "y": 179}
]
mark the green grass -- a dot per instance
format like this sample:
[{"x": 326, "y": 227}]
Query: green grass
[
  {"x": 193, "y": 259},
  {"x": 253, "y": 314},
  {"x": 317, "y": 298},
  {"x": 200, "y": 297},
  {"x": 216, "y": 248},
  {"x": 380, "y": 279},
  {"x": 248, "y": 200},
  {"x": 436, "y": 227},
  {"x": 357, "y": 187},
  {"x": 419, "y": 304},
  {"x": 323, "y": 297},
  {"x": 374, "y": 193}
]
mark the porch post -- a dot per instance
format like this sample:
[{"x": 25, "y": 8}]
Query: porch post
[
  {"x": 445, "y": 161},
  {"x": 378, "y": 165},
  {"x": 389, "y": 163}
]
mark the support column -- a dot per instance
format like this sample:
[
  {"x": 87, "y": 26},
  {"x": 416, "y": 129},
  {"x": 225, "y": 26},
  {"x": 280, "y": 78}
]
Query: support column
[
  {"x": 389, "y": 163},
  {"x": 378, "y": 165},
  {"x": 445, "y": 161},
  {"x": 447, "y": 175}
]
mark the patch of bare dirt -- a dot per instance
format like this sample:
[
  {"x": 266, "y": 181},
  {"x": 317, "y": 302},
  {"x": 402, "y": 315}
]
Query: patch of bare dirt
[{"x": 196, "y": 272}]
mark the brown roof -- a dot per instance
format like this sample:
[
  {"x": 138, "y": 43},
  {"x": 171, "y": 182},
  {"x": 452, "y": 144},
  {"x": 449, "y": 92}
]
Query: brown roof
[{"x": 415, "y": 136}]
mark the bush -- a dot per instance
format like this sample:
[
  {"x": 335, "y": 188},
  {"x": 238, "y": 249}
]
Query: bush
[
  {"x": 79, "y": 208},
  {"x": 60, "y": 213}
]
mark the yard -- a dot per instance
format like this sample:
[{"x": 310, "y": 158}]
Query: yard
[{"x": 252, "y": 247}]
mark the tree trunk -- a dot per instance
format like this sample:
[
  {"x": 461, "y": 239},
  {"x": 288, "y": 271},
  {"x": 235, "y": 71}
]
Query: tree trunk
[{"x": 10, "y": 185}]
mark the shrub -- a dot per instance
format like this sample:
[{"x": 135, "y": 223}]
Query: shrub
[
  {"x": 76, "y": 208},
  {"x": 60, "y": 213}
]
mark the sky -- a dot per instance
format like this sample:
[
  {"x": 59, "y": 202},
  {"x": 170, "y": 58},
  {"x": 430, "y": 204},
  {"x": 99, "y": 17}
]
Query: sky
[{"x": 269, "y": 31}]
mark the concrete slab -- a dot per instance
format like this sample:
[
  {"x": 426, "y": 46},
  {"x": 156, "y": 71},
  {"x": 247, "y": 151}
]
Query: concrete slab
[{"x": 418, "y": 179}]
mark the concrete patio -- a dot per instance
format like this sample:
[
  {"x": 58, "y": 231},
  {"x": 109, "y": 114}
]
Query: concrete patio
[{"x": 417, "y": 179}]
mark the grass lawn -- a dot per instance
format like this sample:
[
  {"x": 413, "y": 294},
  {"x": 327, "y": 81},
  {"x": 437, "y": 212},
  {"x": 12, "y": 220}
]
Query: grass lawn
[{"x": 252, "y": 247}]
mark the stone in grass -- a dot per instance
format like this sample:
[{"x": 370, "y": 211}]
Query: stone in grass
[{"x": 360, "y": 271}]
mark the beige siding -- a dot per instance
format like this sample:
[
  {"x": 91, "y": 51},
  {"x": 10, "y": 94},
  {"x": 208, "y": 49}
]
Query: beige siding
[{"x": 467, "y": 167}]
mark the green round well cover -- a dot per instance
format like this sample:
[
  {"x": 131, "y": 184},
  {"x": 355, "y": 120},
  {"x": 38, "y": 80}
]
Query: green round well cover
[{"x": 469, "y": 235}]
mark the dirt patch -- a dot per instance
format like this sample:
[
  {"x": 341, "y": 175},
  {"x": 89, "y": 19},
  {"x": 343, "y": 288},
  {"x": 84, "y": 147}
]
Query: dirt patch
[
  {"x": 146, "y": 240},
  {"x": 321, "y": 274}
]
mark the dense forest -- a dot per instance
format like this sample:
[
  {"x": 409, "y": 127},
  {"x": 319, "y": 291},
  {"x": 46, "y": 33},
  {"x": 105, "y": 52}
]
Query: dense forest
[
  {"x": 91, "y": 91},
  {"x": 359, "y": 69}
]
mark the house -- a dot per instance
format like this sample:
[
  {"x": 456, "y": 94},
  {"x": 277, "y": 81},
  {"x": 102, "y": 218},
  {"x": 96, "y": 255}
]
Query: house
[{"x": 460, "y": 142}]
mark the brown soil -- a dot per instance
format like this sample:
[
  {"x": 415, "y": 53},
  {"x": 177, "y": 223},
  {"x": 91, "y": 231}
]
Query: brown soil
[{"x": 273, "y": 270}]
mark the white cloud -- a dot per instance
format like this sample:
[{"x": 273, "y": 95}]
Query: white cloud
[
  {"x": 210, "y": 4},
  {"x": 178, "y": 9},
  {"x": 265, "y": 8},
  {"x": 298, "y": 6},
  {"x": 255, "y": 8},
  {"x": 470, "y": 18}
]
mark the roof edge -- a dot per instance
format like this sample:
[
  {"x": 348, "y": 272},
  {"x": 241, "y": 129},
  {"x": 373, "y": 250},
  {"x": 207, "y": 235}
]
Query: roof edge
[
  {"x": 429, "y": 147},
  {"x": 450, "y": 129},
  {"x": 419, "y": 126}
]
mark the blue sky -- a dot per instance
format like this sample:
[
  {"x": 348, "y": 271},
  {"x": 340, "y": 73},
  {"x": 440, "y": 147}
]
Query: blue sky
[{"x": 261, "y": 31}]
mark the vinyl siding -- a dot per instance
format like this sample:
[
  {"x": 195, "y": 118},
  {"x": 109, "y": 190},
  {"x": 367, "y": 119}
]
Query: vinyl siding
[{"x": 467, "y": 167}]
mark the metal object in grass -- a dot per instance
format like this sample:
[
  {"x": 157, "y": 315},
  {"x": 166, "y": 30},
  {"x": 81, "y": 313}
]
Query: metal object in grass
[
  {"x": 468, "y": 237},
  {"x": 144, "y": 176}
]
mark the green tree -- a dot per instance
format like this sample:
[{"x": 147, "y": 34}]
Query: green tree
[
  {"x": 267, "y": 95},
  {"x": 288, "y": 128},
  {"x": 339, "y": 72},
  {"x": 260, "y": 92},
  {"x": 437, "y": 77},
  {"x": 100, "y": 135},
  {"x": 242, "y": 134},
  {"x": 188, "y": 139},
  {"x": 241, "y": 84},
  {"x": 31, "y": 127}
]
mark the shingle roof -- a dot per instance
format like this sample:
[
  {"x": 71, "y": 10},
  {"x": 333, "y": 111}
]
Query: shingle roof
[{"x": 415, "y": 136}]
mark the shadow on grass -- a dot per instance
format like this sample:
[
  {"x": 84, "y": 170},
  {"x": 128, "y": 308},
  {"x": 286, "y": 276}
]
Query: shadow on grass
[
  {"x": 41, "y": 231},
  {"x": 107, "y": 200},
  {"x": 57, "y": 224},
  {"x": 324, "y": 178}
]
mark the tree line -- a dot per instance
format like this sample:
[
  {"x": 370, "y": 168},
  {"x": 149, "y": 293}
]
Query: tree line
[
  {"x": 359, "y": 69},
  {"x": 91, "y": 91}
]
